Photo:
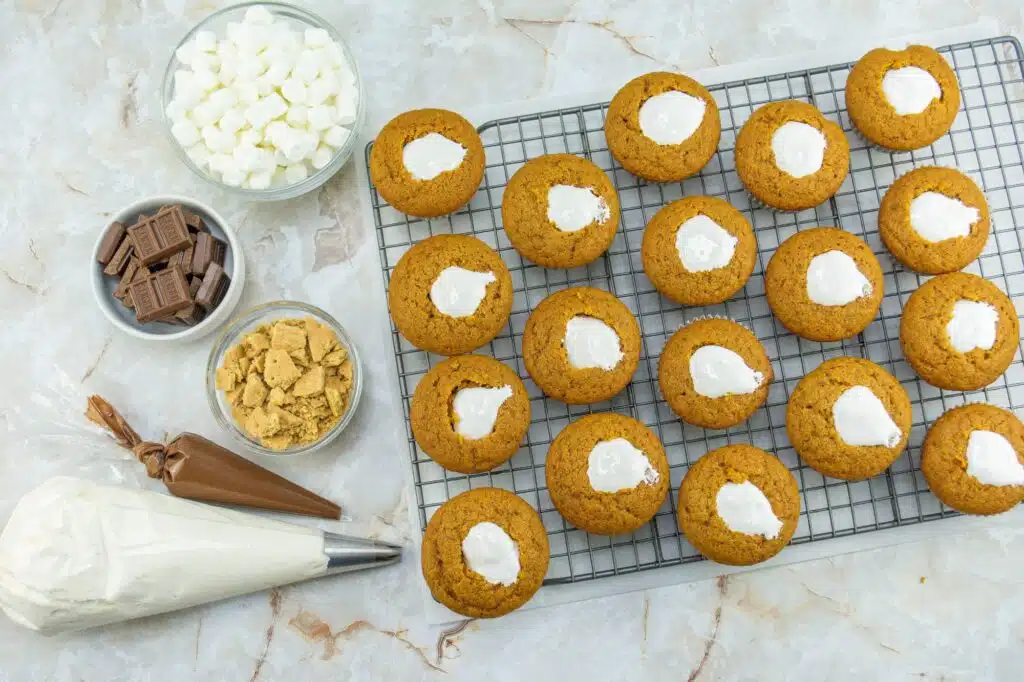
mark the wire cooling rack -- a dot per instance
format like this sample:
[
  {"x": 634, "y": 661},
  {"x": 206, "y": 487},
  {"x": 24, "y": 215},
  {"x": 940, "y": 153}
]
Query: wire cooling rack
[{"x": 985, "y": 142}]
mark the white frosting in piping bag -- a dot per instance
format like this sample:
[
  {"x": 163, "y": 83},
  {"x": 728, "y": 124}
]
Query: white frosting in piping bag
[{"x": 76, "y": 554}]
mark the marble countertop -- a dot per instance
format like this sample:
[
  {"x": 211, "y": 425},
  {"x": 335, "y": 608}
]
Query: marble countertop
[{"x": 81, "y": 137}]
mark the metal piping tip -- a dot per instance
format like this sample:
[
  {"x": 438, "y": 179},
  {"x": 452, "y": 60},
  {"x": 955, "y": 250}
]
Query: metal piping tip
[{"x": 345, "y": 553}]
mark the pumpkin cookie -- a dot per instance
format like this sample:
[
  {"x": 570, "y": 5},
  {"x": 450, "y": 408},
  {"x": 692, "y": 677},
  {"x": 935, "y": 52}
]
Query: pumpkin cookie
[
  {"x": 607, "y": 474},
  {"x": 790, "y": 157},
  {"x": 714, "y": 373},
  {"x": 973, "y": 459},
  {"x": 560, "y": 211},
  {"x": 934, "y": 220},
  {"x": 663, "y": 126},
  {"x": 450, "y": 294},
  {"x": 959, "y": 331},
  {"x": 485, "y": 553},
  {"x": 849, "y": 419},
  {"x": 738, "y": 505},
  {"x": 699, "y": 251},
  {"x": 824, "y": 284},
  {"x": 903, "y": 99},
  {"x": 581, "y": 345},
  {"x": 470, "y": 413},
  {"x": 427, "y": 162}
]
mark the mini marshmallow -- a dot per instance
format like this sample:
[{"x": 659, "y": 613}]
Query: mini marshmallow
[
  {"x": 232, "y": 120},
  {"x": 259, "y": 15},
  {"x": 317, "y": 37},
  {"x": 251, "y": 67},
  {"x": 205, "y": 61},
  {"x": 186, "y": 52},
  {"x": 336, "y": 136},
  {"x": 295, "y": 173},
  {"x": 250, "y": 136},
  {"x": 200, "y": 155},
  {"x": 185, "y": 132},
  {"x": 232, "y": 30},
  {"x": 205, "y": 41},
  {"x": 264, "y": 86},
  {"x": 247, "y": 92},
  {"x": 334, "y": 54},
  {"x": 260, "y": 180},
  {"x": 320, "y": 89},
  {"x": 297, "y": 115},
  {"x": 307, "y": 67},
  {"x": 345, "y": 112},
  {"x": 322, "y": 156},
  {"x": 206, "y": 80},
  {"x": 204, "y": 114},
  {"x": 277, "y": 72},
  {"x": 176, "y": 111},
  {"x": 245, "y": 156},
  {"x": 294, "y": 90},
  {"x": 234, "y": 177},
  {"x": 228, "y": 71},
  {"x": 218, "y": 140},
  {"x": 321, "y": 117},
  {"x": 221, "y": 100}
]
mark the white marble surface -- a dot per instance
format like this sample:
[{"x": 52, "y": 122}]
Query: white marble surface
[{"x": 81, "y": 137}]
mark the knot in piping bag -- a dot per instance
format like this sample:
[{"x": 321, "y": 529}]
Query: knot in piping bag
[{"x": 196, "y": 468}]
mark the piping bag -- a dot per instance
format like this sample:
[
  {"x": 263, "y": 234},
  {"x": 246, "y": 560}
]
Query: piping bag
[
  {"x": 76, "y": 554},
  {"x": 192, "y": 466}
]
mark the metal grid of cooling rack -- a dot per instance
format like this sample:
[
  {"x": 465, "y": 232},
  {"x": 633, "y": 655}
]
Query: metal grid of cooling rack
[{"x": 985, "y": 142}]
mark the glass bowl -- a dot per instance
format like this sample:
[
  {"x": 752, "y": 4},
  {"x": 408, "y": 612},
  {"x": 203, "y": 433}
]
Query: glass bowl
[
  {"x": 301, "y": 19},
  {"x": 247, "y": 322}
]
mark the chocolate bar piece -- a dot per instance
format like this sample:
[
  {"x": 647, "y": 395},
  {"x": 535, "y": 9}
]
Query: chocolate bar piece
[
  {"x": 159, "y": 237},
  {"x": 111, "y": 241},
  {"x": 193, "y": 286},
  {"x": 161, "y": 294},
  {"x": 215, "y": 285},
  {"x": 193, "y": 220},
  {"x": 193, "y": 314},
  {"x": 119, "y": 261},
  {"x": 208, "y": 249},
  {"x": 183, "y": 258},
  {"x": 127, "y": 278}
]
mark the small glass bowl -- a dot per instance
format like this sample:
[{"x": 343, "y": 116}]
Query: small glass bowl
[
  {"x": 247, "y": 322},
  {"x": 217, "y": 22}
]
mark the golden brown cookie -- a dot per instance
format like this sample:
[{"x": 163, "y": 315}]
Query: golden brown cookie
[
  {"x": 641, "y": 155},
  {"x": 718, "y": 245},
  {"x": 905, "y": 212},
  {"x": 878, "y": 120},
  {"x": 954, "y": 455},
  {"x": 607, "y": 474},
  {"x": 732, "y": 373},
  {"x": 560, "y": 189},
  {"x": 797, "y": 271},
  {"x": 759, "y": 166},
  {"x": 733, "y": 525},
  {"x": 446, "y": 569},
  {"x": 581, "y": 345},
  {"x": 426, "y": 197},
  {"x": 932, "y": 312},
  {"x": 849, "y": 419},
  {"x": 450, "y": 425},
  {"x": 420, "y": 283}
]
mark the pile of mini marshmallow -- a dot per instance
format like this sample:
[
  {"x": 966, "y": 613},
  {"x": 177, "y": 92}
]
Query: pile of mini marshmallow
[{"x": 266, "y": 105}]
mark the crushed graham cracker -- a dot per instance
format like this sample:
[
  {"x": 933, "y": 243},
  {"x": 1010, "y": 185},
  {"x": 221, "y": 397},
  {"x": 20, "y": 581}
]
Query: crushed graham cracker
[{"x": 288, "y": 382}]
